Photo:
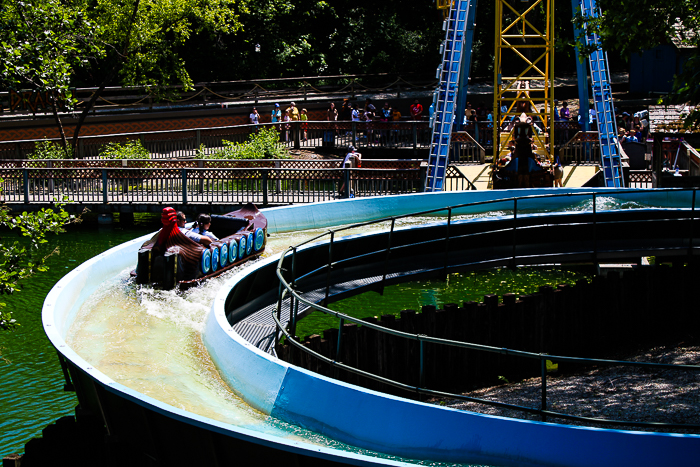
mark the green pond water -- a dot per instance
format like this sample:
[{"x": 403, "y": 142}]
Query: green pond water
[
  {"x": 458, "y": 288},
  {"x": 31, "y": 381}
]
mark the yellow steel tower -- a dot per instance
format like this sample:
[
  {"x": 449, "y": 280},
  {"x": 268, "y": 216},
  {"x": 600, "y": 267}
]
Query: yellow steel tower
[
  {"x": 445, "y": 6},
  {"x": 523, "y": 70}
]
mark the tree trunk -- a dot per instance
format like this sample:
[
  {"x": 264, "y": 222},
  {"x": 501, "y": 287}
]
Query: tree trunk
[
  {"x": 86, "y": 111},
  {"x": 64, "y": 142}
]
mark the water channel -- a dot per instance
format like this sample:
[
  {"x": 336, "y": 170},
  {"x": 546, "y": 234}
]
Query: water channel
[{"x": 147, "y": 340}]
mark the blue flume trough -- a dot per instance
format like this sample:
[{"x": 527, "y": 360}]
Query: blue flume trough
[
  {"x": 358, "y": 416},
  {"x": 407, "y": 428}
]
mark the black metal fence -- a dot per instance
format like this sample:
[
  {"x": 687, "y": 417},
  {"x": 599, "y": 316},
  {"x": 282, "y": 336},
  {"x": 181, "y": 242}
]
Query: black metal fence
[
  {"x": 310, "y": 135},
  {"x": 188, "y": 185}
]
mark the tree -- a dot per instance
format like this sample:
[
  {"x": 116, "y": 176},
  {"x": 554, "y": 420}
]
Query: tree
[
  {"x": 50, "y": 45},
  {"x": 287, "y": 38},
  {"x": 19, "y": 260},
  {"x": 42, "y": 42},
  {"x": 629, "y": 27}
]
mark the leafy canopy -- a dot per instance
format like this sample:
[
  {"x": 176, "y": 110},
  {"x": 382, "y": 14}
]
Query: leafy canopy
[
  {"x": 20, "y": 259},
  {"x": 53, "y": 45},
  {"x": 630, "y": 26}
]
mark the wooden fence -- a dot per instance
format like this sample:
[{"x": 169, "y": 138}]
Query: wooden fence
[{"x": 639, "y": 308}]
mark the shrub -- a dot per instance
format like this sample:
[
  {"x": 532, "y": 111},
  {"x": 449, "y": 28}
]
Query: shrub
[
  {"x": 129, "y": 150},
  {"x": 263, "y": 144},
  {"x": 49, "y": 150}
]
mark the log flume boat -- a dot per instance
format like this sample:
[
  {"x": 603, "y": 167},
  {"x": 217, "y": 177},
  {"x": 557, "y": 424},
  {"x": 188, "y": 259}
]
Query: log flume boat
[{"x": 171, "y": 259}]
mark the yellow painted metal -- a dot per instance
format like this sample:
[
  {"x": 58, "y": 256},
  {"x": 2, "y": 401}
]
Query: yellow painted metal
[
  {"x": 523, "y": 70},
  {"x": 445, "y": 6}
]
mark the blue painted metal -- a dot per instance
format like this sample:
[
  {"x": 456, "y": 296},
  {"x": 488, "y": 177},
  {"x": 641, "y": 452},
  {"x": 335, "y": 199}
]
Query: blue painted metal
[
  {"x": 465, "y": 73},
  {"x": 456, "y": 26},
  {"x": 582, "y": 75},
  {"x": 610, "y": 159}
]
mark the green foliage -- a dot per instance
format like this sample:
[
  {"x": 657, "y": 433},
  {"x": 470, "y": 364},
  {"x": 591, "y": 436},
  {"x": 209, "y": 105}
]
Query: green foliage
[
  {"x": 20, "y": 260},
  {"x": 630, "y": 27},
  {"x": 53, "y": 45},
  {"x": 263, "y": 144},
  {"x": 42, "y": 42},
  {"x": 129, "y": 150},
  {"x": 312, "y": 37},
  {"x": 49, "y": 150}
]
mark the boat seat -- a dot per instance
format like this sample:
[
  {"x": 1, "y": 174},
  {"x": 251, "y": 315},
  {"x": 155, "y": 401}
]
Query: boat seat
[{"x": 223, "y": 226}]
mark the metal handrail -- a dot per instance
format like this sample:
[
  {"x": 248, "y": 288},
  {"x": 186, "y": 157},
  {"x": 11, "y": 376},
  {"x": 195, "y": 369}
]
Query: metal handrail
[{"x": 287, "y": 289}]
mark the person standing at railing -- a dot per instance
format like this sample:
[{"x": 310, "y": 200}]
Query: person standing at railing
[
  {"x": 332, "y": 117},
  {"x": 416, "y": 110},
  {"x": 396, "y": 118},
  {"x": 369, "y": 107},
  {"x": 345, "y": 111},
  {"x": 276, "y": 114},
  {"x": 557, "y": 169},
  {"x": 285, "y": 125},
  {"x": 293, "y": 112},
  {"x": 332, "y": 113},
  {"x": 353, "y": 159},
  {"x": 355, "y": 114},
  {"x": 254, "y": 118},
  {"x": 367, "y": 117},
  {"x": 304, "y": 125}
]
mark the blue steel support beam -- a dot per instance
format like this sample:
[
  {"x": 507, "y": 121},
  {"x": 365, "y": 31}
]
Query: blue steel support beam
[
  {"x": 466, "y": 68},
  {"x": 610, "y": 159},
  {"x": 582, "y": 75},
  {"x": 445, "y": 97}
]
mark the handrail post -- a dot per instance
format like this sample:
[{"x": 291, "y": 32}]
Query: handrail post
[
  {"x": 543, "y": 370},
  {"x": 292, "y": 316},
  {"x": 340, "y": 339},
  {"x": 279, "y": 314},
  {"x": 297, "y": 137},
  {"x": 421, "y": 364},
  {"x": 184, "y": 186},
  {"x": 447, "y": 241},
  {"x": 354, "y": 133},
  {"x": 388, "y": 252},
  {"x": 330, "y": 266},
  {"x": 264, "y": 186},
  {"x": 692, "y": 222},
  {"x": 346, "y": 176},
  {"x": 515, "y": 229},
  {"x": 595, "y": 230},
  {"x": 293, "y": 303},
  {"x": 415, "y": 136},
  {"x": 25, "y": 178},
  {"x": 104, "y": 186}
]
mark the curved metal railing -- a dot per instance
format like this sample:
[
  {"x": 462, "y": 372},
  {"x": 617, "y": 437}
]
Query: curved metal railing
[{"x": 287, "y": 290}]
